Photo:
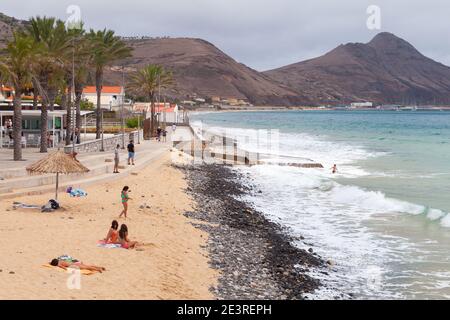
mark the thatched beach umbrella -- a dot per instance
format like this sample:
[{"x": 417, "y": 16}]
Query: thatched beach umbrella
[{"x": 59, "y": 163}]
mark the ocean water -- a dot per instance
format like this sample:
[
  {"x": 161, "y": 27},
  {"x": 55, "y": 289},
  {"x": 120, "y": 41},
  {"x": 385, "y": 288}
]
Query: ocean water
[{"x": 383, "y": 218}]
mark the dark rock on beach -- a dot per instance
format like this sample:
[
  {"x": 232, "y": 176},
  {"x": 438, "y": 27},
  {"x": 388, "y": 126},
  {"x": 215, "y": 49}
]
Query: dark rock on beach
[{"x": 255, "y": 257}]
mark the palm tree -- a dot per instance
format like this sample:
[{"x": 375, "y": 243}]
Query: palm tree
[
  {"x": 148, "y": 81},
  {"x": 107, "y": 48},
  {"x": 15, "y": 70},
  {"x": 50, "y": 37}
]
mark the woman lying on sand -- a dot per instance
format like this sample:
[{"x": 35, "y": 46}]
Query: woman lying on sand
[
  {"x": 65, "y": 264},
  {"x": 113, "y": 234},
  {"x": 123, "y": 238}
]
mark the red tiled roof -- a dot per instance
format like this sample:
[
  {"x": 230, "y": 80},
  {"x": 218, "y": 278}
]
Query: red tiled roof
[
  {"x": 159, "y": 107},
  {"x": 105, "y": 89}
]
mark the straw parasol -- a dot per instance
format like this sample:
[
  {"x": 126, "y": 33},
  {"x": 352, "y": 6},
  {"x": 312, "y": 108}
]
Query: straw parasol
[{"x": 57, "y": 162}]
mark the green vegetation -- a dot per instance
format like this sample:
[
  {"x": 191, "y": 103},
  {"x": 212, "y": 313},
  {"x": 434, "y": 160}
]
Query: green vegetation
[
  {"x": 55, "y": 60},
  {"x": 133, "y": 122}
]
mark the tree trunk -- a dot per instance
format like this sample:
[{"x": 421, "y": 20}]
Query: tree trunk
[
  {"x": 99, "y": 85},
  {"x": 69, "y": 115},
  {"x": 44, "y": 91},
  {"x": 152, "y": 116},
  {"x": 44, "y": 125},
  {"x": 78, "y": 95},
  {"x": 35, "y": 101},
  {"x": 51, "y": 98},
  {"x": 64, "y": 101},
  {"x": 35, "y": 95},
  {"x": 17, "y": 127}
]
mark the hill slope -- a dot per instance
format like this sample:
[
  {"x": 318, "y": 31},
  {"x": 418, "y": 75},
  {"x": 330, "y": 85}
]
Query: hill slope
[
  {"x": 201, "y": 68},
  {"x": 7, "y": 26},
  {"x": 386, "y": 70}
]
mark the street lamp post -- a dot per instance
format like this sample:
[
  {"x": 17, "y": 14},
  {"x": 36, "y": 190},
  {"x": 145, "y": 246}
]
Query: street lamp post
[
  {"x": 122, "y": 124},
  {"x": 73, "y": 98},
  {"x": 139, "y": 128},
  {"x": 102, "y": 149}
]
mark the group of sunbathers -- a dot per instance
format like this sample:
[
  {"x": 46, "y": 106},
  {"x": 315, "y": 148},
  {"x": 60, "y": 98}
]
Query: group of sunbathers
[
  {"x": 120, "y": 236},
  {"x": 114, "y": 236}
]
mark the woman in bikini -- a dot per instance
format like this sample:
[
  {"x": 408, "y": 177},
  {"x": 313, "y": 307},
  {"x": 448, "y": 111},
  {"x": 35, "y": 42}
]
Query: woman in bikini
[
  {"x": 113, "y": 233},
  {"x": 65, "y": 264},
  {"x": 123, "y": 238},
  {"x": 125, "y": 197}
]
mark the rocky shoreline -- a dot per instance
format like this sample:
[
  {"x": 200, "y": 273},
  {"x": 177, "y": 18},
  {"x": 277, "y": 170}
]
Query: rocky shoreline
[{"x": 255, "y": 257}]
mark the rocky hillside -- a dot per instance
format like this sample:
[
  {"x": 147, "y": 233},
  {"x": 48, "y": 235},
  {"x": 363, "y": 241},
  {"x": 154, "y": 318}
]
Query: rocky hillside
[
  {"x": 7, "y": 25},
  {"x": 201, "y": 68},
  {"x": 385, "y": 70}
]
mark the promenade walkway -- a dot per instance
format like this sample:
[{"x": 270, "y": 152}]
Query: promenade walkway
[{"x": 15, "y": 181}]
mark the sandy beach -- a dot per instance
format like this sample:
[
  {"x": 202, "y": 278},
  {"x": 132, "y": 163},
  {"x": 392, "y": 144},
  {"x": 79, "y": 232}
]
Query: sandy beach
[{"x": 173, "y": 265}]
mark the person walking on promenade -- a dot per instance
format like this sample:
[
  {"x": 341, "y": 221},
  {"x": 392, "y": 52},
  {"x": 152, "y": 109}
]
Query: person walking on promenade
[
  {"x": 131, "y": 153},
  {"x": 116, "y": 159}
]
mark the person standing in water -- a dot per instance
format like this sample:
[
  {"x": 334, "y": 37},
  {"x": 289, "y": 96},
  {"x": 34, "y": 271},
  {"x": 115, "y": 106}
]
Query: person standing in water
[
  {"x": 125, "y": 197},
  {"x": 334, "y": 169}
]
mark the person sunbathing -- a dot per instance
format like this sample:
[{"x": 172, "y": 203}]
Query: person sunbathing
[
  {"x": 113, "y": 234},
  {"x": 65, "y": 264},
  {"x": 123, "y": 238}
]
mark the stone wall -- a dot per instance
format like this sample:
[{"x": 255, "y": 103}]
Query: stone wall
[{"x": 109, "y": 144}]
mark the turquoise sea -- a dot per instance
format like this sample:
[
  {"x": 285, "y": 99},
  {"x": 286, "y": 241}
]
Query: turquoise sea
[{"x": 383, "y": 218}]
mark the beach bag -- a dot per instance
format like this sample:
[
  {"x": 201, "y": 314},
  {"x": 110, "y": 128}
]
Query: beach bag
[{"x": 54, "y": 204}]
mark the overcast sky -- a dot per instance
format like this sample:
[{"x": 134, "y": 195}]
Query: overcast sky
[{"x": 263, "y": 34}]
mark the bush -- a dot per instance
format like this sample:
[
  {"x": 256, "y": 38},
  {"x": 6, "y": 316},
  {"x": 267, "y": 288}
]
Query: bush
[
  {"x": 133, "y": 122},
  {"x": 86, "y": 105}
]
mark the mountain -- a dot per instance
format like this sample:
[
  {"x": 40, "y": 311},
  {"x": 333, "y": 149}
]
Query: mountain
[
  {"x": 385, "y": 70},
  {"x": 7, "y": 26},
  {"x": 199, "y": 68},
  {"x": 202, "y": 69}
]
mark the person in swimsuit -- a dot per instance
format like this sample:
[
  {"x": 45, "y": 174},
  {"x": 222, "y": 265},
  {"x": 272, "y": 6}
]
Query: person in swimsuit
[
  {"x": 123, "y": 238},
  {"x": 113, "y": 234},
  {"x": 334, "y": 169},
  {"x": 65, "y": 264},
  {"x": 125, "y": 198}
]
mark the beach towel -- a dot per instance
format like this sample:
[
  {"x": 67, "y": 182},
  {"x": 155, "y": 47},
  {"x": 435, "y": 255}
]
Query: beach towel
[
  {"x": 103, "y": 244},
  {"x": 83, "y": 272},
  {"x": 77, "y": 193},
  {"x": 21, "y": 205}
]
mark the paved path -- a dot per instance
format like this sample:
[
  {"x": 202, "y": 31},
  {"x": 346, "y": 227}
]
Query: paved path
[{"x": 14, "y": 180}]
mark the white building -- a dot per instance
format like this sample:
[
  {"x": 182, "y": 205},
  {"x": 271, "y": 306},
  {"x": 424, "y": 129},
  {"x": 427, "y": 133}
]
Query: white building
[
  {"x": 111, "y": 99},
  {"x": 6, "y": 94},
  {"x": 166, "y": 112},
  {"x": 361, "y": 105}
]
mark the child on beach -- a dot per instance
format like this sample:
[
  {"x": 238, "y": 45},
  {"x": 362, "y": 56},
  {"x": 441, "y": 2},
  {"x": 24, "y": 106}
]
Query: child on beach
[
  {"x": 65, "y": 264},
  {"x": 125, "y": 197},
  {"x": 113, "y": 233},
  {"x": 123, "y": 238}
]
